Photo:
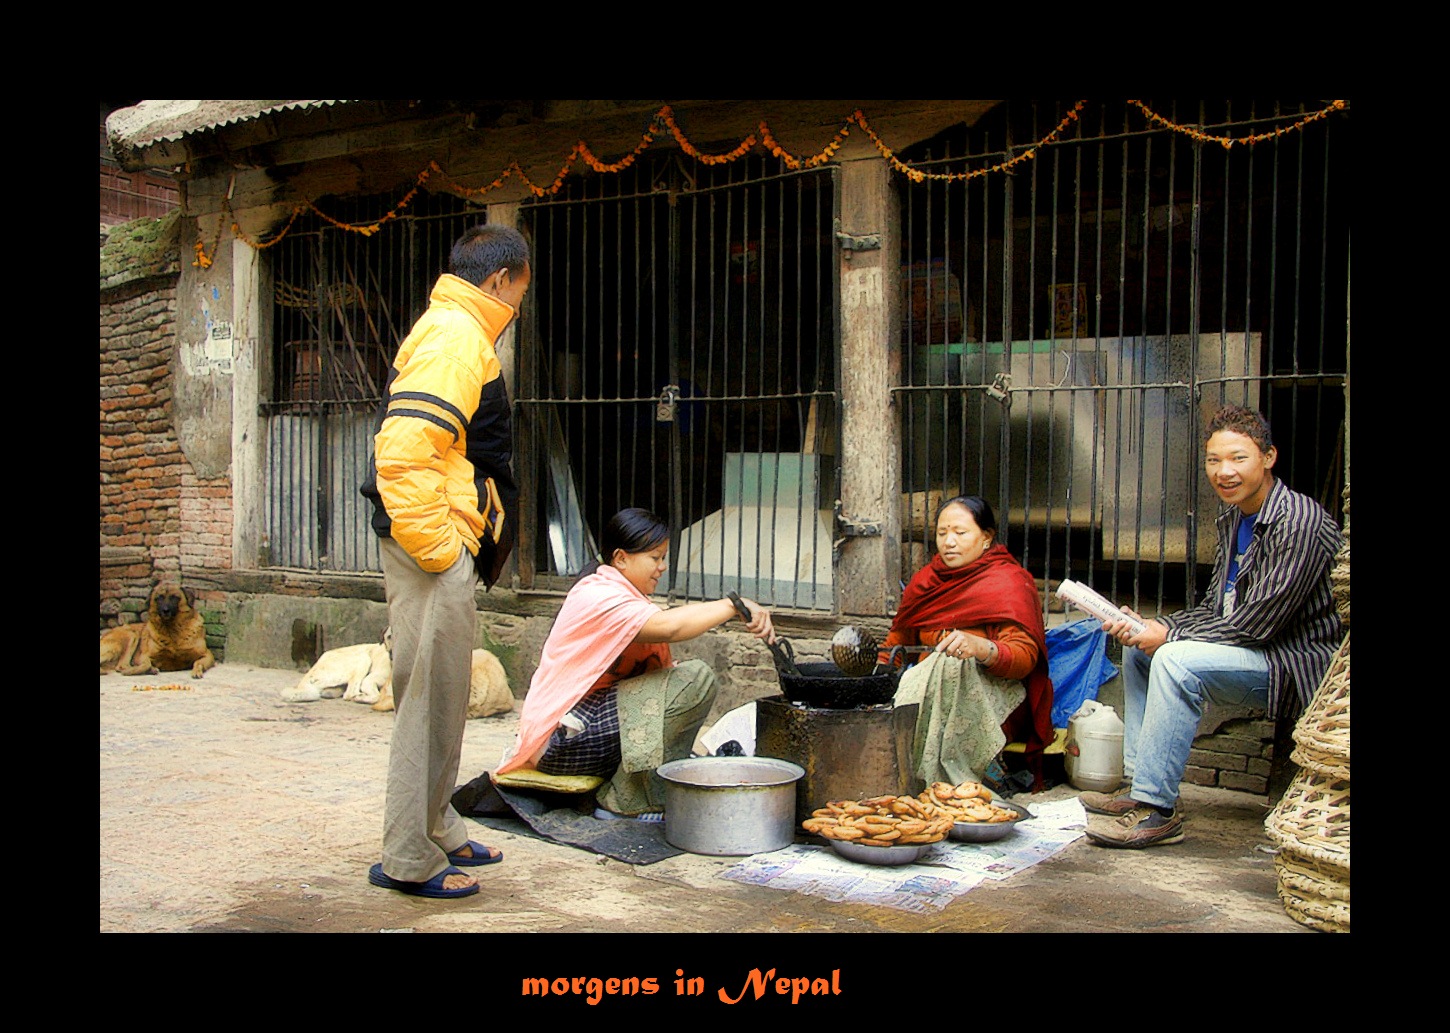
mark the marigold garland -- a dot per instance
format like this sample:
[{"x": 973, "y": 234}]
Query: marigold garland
[
  {"x": 918, "y": 176},
  {"x": 237, "y": 230},
  {"x": 202, "y": 259},
  {"x": 471, "y": 192},
  {"x": 664, "y": 119},
  {"x": 1228, "y": 141}
]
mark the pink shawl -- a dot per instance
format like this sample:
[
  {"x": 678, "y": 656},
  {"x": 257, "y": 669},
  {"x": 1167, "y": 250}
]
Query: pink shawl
[{"x": 601, "y": 615}]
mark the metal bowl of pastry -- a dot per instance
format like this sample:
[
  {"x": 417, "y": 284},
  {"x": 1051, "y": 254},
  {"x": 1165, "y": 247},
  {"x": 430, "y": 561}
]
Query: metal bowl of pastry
[
  {"x": 993, "y": 827},
  {"x": 879, "y": 854}
]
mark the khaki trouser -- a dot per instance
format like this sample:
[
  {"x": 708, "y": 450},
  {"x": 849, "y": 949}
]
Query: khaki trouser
[{"x": 432, "y": 617}]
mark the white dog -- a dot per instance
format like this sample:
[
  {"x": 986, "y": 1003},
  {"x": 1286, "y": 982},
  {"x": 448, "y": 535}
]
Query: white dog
[
  {"x": 488, "y": 688},
  {"x": 358, "y": 673}
]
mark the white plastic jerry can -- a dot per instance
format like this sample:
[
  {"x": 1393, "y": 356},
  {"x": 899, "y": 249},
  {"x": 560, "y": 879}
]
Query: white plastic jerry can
[{"x": 1094, "y": 750}]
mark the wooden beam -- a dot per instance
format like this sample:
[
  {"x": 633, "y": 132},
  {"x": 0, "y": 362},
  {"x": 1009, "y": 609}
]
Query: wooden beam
[{"x": 373, "y": 159}]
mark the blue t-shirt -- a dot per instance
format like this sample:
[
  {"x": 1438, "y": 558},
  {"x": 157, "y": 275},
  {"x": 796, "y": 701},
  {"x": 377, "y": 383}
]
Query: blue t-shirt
[{"x": 1244, "y": 534}]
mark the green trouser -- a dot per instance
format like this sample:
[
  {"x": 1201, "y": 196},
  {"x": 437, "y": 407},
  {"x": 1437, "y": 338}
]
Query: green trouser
[
  {"x": 660, "y": 714},
  {"x": 959, "y": 725}
]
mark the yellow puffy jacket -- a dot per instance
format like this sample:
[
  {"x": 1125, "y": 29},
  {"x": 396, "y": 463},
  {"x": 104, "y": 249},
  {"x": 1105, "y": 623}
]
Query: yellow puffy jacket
[{"x": 442, "y": 479}]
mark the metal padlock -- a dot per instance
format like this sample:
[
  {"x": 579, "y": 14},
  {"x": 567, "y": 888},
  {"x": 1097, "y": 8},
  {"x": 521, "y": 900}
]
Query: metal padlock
[{"x": 668, "y": 404}]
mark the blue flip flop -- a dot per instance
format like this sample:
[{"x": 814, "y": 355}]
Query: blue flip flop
[
  {"x": 479, "y": 857},
  {"x": 432, "y": 888}
]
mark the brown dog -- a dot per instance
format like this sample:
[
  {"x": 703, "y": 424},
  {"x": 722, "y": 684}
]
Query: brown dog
[{"x": 173, "y": 638}]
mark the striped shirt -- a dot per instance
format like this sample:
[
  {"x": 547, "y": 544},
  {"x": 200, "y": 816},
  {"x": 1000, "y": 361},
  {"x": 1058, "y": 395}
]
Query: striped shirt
[{"x": 1283, "y": 602}]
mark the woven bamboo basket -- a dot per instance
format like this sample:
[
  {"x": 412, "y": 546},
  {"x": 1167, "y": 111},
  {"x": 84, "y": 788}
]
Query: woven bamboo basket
[
  {"x": 1313, "y": 894},
  {"x": 1321, "y": 734},
  {"x": 1312, "y": 819}
]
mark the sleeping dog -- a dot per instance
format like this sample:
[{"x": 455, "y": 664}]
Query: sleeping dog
[
  {"x": 364, "y": 674},
  {"x": 488, "y": 688},
  {"x": 355, "y": 673}
]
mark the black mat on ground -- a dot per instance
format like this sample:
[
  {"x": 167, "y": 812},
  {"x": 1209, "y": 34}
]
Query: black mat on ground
[{"x": 561, "y": 818}]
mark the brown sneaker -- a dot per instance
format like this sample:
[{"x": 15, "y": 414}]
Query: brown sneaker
[
  {"x": 1142, "y": 826},
  {"x": 1116, "y": 803}
]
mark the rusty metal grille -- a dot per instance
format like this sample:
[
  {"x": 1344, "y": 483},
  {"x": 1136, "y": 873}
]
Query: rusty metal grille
[
  {"x": 680, "y": 354},
  {"x": 342, "y": 303},
  {"x": 1066, "y": 329}
]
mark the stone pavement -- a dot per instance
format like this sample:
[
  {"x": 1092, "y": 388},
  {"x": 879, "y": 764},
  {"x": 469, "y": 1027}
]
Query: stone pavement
[{"x": 225, "y": 809}]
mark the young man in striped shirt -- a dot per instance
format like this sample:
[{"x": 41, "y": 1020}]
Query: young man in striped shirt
[{"x": 1266, "y": 626}]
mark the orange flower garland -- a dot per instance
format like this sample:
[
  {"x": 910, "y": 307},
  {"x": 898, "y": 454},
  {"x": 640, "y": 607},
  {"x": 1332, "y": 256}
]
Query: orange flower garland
[
  {"x": 1228, "y": 141},
  {"x": 739, "y": 151},
  {"x": 237, "y": 230},
  {"x": 202, "y": 260},
  {"x": 917, "y": 176}
]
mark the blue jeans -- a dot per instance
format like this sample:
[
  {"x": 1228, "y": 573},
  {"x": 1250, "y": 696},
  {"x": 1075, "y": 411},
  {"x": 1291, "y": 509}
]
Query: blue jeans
[{"x": 1163, "y": 701}]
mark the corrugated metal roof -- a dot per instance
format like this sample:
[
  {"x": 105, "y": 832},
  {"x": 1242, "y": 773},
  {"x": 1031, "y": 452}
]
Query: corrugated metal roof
[{"x": 153, "y": 121}]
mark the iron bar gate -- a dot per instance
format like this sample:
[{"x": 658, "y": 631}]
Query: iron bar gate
[
  {"x": 679, "y": 354},
  {"x": 342, "y": 303},
  {"x": 1067, "y": 327}
]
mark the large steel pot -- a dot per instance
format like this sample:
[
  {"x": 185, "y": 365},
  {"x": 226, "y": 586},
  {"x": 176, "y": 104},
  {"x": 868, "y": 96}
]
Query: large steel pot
[{"x": 730, "y": 806}]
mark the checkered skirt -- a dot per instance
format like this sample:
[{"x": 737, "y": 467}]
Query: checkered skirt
[{"x": 594, "y": 751}]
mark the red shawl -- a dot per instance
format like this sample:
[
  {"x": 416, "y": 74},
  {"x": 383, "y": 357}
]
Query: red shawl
[{"x": 988, "y": 590}]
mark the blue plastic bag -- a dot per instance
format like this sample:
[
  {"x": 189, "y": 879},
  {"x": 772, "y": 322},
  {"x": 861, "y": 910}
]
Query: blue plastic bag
[{"x": 1077, "y": 662}]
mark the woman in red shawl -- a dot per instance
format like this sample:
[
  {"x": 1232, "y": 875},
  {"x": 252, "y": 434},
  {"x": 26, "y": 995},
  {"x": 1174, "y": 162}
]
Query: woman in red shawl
[{"x": 985, "y": 683}]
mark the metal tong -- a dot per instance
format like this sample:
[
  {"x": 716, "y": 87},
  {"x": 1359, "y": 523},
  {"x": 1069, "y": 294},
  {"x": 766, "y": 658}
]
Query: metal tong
[{"x": 781, "y": 649}]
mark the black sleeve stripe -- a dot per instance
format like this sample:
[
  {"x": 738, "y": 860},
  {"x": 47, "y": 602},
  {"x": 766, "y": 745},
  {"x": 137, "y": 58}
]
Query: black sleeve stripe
[
  {"x": 420, "y": 396},
  {"x": 430, "y": 417}
]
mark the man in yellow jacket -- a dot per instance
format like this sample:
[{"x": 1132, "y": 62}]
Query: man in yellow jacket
[{"x": 444, "y": 504}]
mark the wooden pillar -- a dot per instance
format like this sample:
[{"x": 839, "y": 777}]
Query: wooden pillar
[
  {"x": 251, "y": 370},
  {"x": 516, "y": 574},
  {"x": 507, "y": 214},
  {"x": 868, "y": 568}
]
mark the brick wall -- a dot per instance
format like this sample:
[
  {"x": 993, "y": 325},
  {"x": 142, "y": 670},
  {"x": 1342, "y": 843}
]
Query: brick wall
[
  {"x": 1234, "y": 749},
  {"x": 157, "y": 518}
]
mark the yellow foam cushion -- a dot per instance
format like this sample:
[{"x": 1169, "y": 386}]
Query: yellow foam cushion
[
  {"x": 529, "y": 778},
  {"x": 1056, "y": 746}
]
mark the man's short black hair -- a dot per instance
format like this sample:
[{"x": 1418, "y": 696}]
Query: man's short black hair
[
  {"x": 484, "y": 250},
  {"x": 1249, "y": 423}
]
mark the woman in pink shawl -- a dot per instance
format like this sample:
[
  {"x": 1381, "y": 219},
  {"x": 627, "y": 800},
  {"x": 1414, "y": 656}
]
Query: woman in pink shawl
[{"x": 607, "y": 699}]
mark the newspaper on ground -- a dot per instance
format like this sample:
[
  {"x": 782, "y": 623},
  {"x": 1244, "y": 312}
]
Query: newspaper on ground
[{"x": 947, "y": 871}]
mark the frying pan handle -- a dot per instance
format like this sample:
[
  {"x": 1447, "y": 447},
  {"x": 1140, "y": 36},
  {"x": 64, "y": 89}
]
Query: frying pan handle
[
  {"x": 898, "y": 651},
  {"x": 740, "y": 606}
]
